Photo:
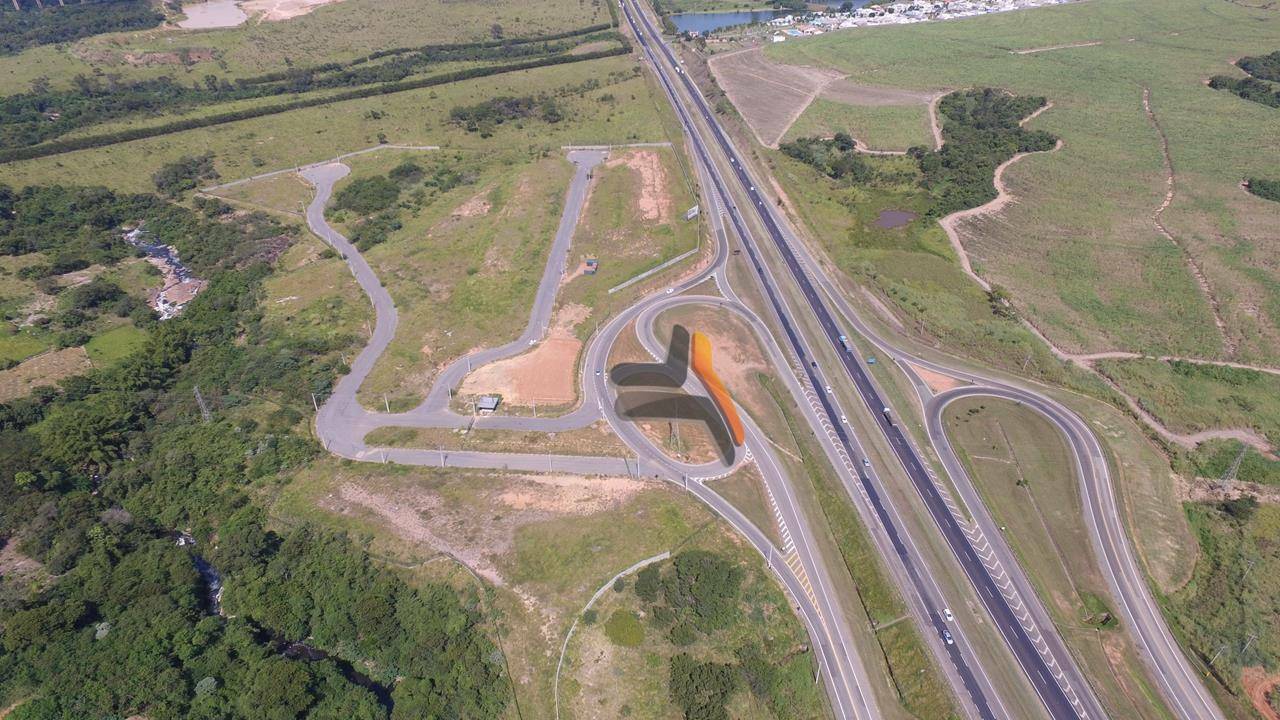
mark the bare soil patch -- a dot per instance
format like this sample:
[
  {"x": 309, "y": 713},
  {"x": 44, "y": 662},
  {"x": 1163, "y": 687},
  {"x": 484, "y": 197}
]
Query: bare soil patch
[
  {"x": 851, "y": 93},
  {"x": 480, "y": 534},
  {"x": 45, "y": 369},
  {"x": 1258, "y": 685},
  {"x": 282, "y": 9},
  {"x": 544, "y": 375},
  {"x": 937, "y": 382},
  {"x": 770, "y": 96},
  {"x": 654, "y": 201},
  {"x": 475, "y": 207}
]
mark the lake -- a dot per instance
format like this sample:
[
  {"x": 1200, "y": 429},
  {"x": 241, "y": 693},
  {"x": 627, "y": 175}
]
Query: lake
[{"x": 712, "y": 21}]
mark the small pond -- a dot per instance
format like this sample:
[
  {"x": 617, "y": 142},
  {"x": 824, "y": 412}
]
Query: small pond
[{"x": 893, "y": 218}]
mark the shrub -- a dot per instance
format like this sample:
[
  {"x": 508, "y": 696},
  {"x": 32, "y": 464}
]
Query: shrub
[
  {"x": 623, "y": 628},
  {"x": 184, "y": 174},
  {"x": 368, "y": 195},
  {"x": 1267, "y": 189}
]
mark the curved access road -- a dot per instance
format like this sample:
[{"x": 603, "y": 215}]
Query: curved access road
[{"x": 342, "y": 423}]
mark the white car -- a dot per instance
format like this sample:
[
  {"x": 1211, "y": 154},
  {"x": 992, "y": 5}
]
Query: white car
[
  {"x": 828, "y": 389},
  {"x": 946, "y": 613},
  {"x": 844, "y": 420},
  {"x": 866, "y": 462},
  {"x": 670, "y": 290},
  {"x": 946, "y": 635}
]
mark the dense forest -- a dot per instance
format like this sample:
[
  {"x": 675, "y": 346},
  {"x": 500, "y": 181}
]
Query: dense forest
[
  {"x": 484, "y": 116},
  {"x": 837, "y": 158},
  {"x": 981, "y": 129},
  {"x": 99, "y": 476},
  {"x": 376, "y": 200},
  {"x": 34, "y": 26}
]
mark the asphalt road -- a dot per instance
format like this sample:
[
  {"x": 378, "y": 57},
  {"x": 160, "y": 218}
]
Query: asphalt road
[
  {"x": 1068, "y": 694},
  {"x": 1050, "y": 669}
]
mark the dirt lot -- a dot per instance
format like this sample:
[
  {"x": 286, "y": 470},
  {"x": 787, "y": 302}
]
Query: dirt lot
[
  {"x": 44, "y": 369},
  {"x": 1257, "y": 685},
  {"x": 770, "y": 96},
  {"x": 426, "y": 518},
  {"x": 654, "y": 202},
  {"x": 282, "y": 9},
  {"x": 544, "y": 375}
]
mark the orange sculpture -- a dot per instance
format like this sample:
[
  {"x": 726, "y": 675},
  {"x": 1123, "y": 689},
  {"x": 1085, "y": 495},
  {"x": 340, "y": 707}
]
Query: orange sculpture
[{"x": 700, "y": 361}]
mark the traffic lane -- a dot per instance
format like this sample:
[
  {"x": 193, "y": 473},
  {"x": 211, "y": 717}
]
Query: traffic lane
[
  {"x": 1128, "y": 586},
  {"x": 971, "y": 685},
  {"x": 1179, "y": 682},
  {"x": 1038, "y": 672}
]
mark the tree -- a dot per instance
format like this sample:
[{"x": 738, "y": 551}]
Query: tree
[
  {"x": 495, "y": 31},
  {"x": 281, "y": 690},
  {"x": 89, "y": 433}
]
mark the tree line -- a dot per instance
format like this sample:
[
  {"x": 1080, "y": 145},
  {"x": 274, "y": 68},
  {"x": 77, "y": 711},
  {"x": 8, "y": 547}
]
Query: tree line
[
  {"x": 98, "y": 474},
  {"x": 31, "y": 27}
]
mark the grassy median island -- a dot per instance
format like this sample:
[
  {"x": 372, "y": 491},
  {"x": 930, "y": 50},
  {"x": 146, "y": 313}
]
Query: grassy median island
[
  {"x": 1066, "y": 248},
  {"x": 1024, "y": 473}
]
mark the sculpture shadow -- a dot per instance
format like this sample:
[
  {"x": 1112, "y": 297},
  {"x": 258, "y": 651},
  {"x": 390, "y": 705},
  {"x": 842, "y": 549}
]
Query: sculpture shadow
[
  {"x": 671, "y": 373},
  {"x": 654, "y": 392}
]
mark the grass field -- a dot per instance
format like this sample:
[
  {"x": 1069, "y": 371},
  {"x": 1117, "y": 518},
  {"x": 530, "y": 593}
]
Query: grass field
[
  {"x": 881, "y": 127},
  {"x": 1022, "y": 469},
  {"x": 1228, "y": 613},
  {"x": 909, "y": 269},
  {"x": 1078, "y": 250},
  {"x": 114, "y": 344},
  {"x": 336, "y": 32},
  {"x": 618, "y": 665},
  {"x": 633, "y": 222},
  {"x": 414, "y": 117},
  {"x": 1188, "y": 398}
]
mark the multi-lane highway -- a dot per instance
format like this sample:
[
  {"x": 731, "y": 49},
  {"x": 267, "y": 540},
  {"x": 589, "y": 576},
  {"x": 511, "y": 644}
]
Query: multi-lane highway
[{"x": 1016, "y": 612}]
